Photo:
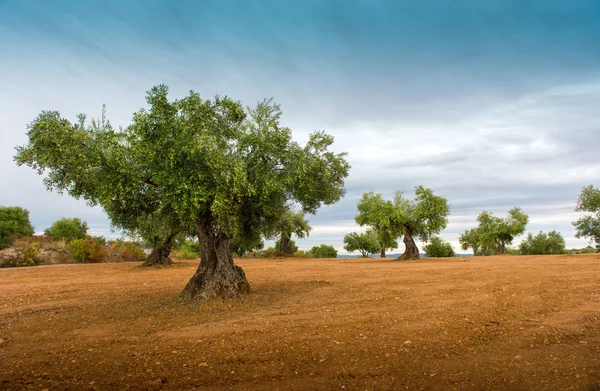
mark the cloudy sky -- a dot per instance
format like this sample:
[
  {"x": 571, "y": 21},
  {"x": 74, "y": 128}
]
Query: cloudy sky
[{"x": 491, "y": 104}]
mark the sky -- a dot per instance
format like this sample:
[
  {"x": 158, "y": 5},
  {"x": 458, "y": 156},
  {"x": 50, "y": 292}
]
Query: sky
[{"x": 490, "y": 104}]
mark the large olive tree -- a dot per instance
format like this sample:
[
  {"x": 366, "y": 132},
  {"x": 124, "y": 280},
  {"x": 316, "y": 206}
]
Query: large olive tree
[
  {"x": 213, "y": 165},
  {"x": 422, "y": 217}
]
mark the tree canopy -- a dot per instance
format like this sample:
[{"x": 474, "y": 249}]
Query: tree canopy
[
  {"x": 13, "y": 220},
  {"x": 422, "y": 217},
  {"x": 67, "y": 229},
  {"x": 543, "y": 243},
  {"x": 290, "y": 222},
  {"x": 366, "y": 243},
  {"x": 493, "y": 233},
  {"x": 212, "y": 165},
  {"x": 588, "y": 226}
]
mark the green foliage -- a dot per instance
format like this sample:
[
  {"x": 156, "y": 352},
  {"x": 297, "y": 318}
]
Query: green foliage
[
  {"x": 513, "y": 251},
  {"x": 188, "y": 163},
  {"x": 67, "y": 229},
  {"x": 366, "y": 243},
  {"x": 471, "y": 239},
  {"x": 588, "y": 227},
  {"x": 301, "y": 254},
  {"x": 422, "y": 217},
  {"x": 323, "y": 251},
  {"x": 241, "y": 247},
  {"x": 585, "y": 250},
  {"x": 290, "y": 223},
  {"x": 184, "y": 244},
  {"x": 494, "y": 234},
  {"x": 437, "y": 248},
  {"x": 87, "y": 250},
  {"x": 187, "y": 254},
  {"x": 542, "y": 243},
  {"x": 13, "y": 220}
]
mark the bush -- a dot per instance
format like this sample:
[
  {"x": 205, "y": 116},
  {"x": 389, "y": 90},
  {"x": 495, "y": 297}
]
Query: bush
[
  {"x": 437, "y": 248},
  {"x": 67, "y": 229},
  {"x": 187, "y": 255},
  {"x": 586, "y": 250},
  {"x": 133, "y": 253},
  {"x": 542, "y": 244},
  {"x": 323, "y": 251},
  {"x": 13, "y": 220},
  {"x": 87, "y": 250},
  {"x": 301, "y": 254}
]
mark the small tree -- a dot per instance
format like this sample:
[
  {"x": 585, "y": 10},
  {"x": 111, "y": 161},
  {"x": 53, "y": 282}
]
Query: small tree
[
  {"x": 323, "y": 251},
  {"x": 67, "y": 229},
  {"x": 588, "y": 227},
  {"x": 420, "y": 218},
  {"x": 13, "y": 220},
  {"x": 365, "y": 243},
  {"x": 290, "y": 223},
  {"x": 471, "y": 239},
  {"x": 437, "y": 248},
  {"x": 542, "y": 243},
  {"x": 496, "y": 232}
]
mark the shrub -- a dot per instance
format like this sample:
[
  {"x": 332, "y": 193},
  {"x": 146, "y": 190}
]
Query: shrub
[
  {"x": 542, "y": 244},
  {"x": 586, "y": 250},
  {"x": 67, "y": 229},
  {"x": 301, "y": 254},
  {"x": 133, "y": 253},
  {"x": 186, "y": 255},
  {"x": 87, "y": 250},
  {"x": 437, "y": 248},
  {"x": 323, "y": 251},
  {"x": 13, "y": 220}
]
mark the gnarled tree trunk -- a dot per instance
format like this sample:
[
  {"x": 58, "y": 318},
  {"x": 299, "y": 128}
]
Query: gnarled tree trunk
[
  {"x": 217, "y": 275},
  {"x": 382, "y": 253},
  {"x": 411, "y": 251},
  {"x": 160, "y": 254},
  {"x": 285, "y": 244}
]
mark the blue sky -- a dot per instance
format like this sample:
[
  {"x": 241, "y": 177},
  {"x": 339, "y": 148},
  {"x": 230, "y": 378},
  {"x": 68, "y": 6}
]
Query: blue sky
[{"x": 492, "y": 104}]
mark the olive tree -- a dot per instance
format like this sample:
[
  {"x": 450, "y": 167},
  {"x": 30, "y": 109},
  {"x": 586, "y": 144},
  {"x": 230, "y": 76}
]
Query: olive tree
[
  {"x": 421, "y": 218},
  {"x": 290, "y": 222},
  {"x": 496, "y": 232},
  {"x": 215, "y": 166},
  {"x": 543, "y": 243},
  {"x": 438, "y": 248},
  {"x": 588, "y": 226},
  {"x": 13, "y": 220},
  {"x": 366, "y": 243}
]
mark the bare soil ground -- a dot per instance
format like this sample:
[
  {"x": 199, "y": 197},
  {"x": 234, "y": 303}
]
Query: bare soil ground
[{"x": 495, "y": 323}]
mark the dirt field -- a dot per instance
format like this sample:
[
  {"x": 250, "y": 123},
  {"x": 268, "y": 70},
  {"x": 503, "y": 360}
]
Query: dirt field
[{"x": 508, "y": 323}]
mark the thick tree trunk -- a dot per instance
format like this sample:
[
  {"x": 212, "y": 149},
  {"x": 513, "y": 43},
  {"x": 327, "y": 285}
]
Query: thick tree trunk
[
  {"x": 411, "y": 251},
  {"x": 285, "y": 245},
  {"x": 217, "y": 275},
  {"x": 382, "y": 253},
  {"x": 501, "y": 248},
  {"x": 160, "y": 254}
]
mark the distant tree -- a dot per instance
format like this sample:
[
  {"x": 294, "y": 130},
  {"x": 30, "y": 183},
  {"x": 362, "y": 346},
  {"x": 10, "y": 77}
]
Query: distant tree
[
  {"x": 496, "y": 232},
  {"x": 437, "y": 248},
  {"x": 366, "y": 243},
  {"x": 542, "y": 244},
  {"x": 588, "y": 227},
  {"x": 471, "y": 239},
  {"x": 420, "y": 218},
  {"x": 323, "y": 251},
  {"x": 215, "y": 165},
  {"x": 13, "y": 220},
  {"x": 290, "y": 223},
  {"x": 67, "y": 229},
  {"x": 241, "y": 247}
]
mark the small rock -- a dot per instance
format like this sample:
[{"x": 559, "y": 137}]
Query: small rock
[
  {"x": 407, "y": 342},
  {"x": 518, "y": 357}
]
